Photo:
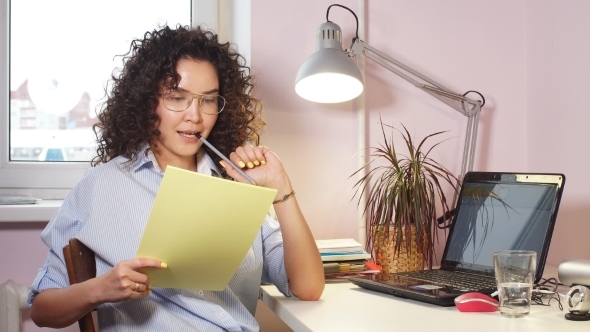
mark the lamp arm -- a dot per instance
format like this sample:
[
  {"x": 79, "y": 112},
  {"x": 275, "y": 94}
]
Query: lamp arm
[{"x": 469, "y": 107}]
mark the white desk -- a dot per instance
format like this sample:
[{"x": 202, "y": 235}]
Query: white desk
[{"x": 347, "y": 307}]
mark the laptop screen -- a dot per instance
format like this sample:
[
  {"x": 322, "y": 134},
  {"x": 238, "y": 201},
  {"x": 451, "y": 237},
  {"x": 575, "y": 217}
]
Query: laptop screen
[{"x": 502, "y": 211}]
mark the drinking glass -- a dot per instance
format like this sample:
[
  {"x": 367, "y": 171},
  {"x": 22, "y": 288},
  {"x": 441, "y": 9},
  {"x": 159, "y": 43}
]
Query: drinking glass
[{"x": 515, "y": 275}]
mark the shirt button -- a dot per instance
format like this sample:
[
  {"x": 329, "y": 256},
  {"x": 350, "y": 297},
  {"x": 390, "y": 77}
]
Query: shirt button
[{"x": 201, "y": 293}]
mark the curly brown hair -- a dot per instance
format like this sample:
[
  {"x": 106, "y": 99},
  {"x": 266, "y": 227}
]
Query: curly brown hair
[{"x": 128, "y": 118}]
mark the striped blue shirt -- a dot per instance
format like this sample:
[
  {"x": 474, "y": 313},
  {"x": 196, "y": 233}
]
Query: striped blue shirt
[{"x": 108, "y": 211}]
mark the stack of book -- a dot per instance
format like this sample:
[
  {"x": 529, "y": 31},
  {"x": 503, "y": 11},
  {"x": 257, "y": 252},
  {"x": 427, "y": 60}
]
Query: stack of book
[{"x": 345, "y": 258}]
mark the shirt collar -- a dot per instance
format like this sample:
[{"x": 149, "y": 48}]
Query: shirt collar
[{"x": 205, "y": 164}]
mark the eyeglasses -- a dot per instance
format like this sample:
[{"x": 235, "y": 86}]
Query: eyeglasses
[{"x": 179, "y": 101}]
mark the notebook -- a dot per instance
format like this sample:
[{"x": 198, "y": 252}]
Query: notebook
[{"x": 495, "y": 211}]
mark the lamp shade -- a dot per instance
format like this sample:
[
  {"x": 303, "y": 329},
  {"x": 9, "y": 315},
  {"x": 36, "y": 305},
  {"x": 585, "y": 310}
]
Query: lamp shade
[{"x": 329, "y": 75}]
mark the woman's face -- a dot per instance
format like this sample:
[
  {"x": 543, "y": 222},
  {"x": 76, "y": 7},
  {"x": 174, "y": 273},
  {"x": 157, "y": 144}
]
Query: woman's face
[{"x": 177, "y": 144}]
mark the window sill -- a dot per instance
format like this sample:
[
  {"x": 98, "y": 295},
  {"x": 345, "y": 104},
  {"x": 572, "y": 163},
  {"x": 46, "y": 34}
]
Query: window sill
[{"x": 42, "y": 211}]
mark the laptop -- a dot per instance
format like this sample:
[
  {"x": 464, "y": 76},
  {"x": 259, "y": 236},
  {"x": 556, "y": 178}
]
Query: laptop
[{"x": 495, "y": 211}]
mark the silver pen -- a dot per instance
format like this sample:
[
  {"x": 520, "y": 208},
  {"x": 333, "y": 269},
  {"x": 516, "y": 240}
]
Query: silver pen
[{"x": 238, "y": 169}]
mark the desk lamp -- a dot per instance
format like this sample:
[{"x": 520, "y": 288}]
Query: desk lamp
[{"x": 330, "y": 76}]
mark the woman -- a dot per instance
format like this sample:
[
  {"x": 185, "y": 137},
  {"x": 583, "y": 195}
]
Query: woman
[{"x": 175, "y": 83}]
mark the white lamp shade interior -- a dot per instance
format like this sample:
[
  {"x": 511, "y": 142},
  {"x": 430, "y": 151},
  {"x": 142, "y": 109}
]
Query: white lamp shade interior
[{"x": 329, "y": 88}]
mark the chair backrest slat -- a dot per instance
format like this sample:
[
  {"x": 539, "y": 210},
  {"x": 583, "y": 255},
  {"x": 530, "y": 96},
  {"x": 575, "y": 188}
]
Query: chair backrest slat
[{"x": 81, "y": 265}]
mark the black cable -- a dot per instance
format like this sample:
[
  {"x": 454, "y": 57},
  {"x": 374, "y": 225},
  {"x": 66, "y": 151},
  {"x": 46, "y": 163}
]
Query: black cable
[
  {"x": 446, "y": 216},
  {"x": 546, "y": 289},
  {"x": 551, "y": 281},
  {"x": 350, "y": 10},
  {"x": 537, "y": 298},
  {"x": 483, "y": 101}
]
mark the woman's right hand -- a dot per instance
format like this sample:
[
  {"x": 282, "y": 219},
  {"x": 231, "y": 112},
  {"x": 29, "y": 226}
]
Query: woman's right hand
[
  {"x": 61, "y": 307},
  {"x": 124, "y": 282}
]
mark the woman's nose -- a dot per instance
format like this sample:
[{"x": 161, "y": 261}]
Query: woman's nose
[{"x": 193, "y": 112}]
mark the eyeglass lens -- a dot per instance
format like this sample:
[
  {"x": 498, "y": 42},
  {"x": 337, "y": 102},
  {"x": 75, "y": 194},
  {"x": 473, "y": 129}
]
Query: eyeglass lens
[{"x": 179, "y": 101}]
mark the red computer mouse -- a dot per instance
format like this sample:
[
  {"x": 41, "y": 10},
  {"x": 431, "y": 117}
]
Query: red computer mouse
[{"x": 476, "y": 302}]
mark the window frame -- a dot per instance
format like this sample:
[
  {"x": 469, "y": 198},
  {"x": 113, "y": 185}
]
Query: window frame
[{"x": 47, "y": 180}]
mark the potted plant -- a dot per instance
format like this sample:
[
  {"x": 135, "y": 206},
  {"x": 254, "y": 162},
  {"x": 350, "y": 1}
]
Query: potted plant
[{"x": 404, "y": 198}]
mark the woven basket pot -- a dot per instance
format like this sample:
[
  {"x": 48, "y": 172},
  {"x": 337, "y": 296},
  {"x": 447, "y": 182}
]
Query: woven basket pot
[{"x": 402, "y": 261}]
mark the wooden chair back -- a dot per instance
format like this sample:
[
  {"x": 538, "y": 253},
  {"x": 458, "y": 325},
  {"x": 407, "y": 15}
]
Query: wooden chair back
[{"x": 81, "y": 265}]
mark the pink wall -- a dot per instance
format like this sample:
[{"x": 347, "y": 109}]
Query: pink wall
[
  {"x": 316, "y": 142},
  {"x": 21, "y": 254},
  {"x": 513, "y": 52},
  {"x": 461, "y": 45},
  {"x": 458, "y": 43},
  {"x": 558, "y": 50}
]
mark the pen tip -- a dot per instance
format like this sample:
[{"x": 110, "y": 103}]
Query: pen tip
[{"x": 198, "y": 135}]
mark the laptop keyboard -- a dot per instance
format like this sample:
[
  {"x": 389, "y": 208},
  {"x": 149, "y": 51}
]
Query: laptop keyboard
[{"x": 453, "y": 279}]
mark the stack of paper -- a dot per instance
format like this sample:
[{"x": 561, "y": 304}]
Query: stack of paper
[
  {"x": 341, "y": 250},
  {"x": 344, "y": 258}
]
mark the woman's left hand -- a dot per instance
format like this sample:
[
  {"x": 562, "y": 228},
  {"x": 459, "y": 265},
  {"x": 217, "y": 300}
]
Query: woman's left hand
[{"x": 261, "y": 164}]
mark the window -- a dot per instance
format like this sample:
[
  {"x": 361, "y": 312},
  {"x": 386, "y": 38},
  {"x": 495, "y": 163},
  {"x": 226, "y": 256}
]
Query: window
[{"x": 55, "y": 65}]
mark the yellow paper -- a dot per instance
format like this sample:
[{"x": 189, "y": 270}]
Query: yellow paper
[{"x": 202, "y": 227}]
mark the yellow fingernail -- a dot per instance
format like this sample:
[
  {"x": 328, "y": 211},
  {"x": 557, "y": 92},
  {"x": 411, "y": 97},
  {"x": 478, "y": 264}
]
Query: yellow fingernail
[
  {"x": 222, "y": 165},
  {"x": 263, "y": 162},
  {"x": 256, "y": 162},
  {"x": 250, "y": 165},
  {"x": 150, "y": 292},
  {"x": 150, "y": 287},
  {"x": 241, "y": 164},
  {"x": 163, "y": 265}
]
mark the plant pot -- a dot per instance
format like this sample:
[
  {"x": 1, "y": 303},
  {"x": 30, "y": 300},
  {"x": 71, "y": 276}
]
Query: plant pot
[{"x": 406, "y": 258}]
